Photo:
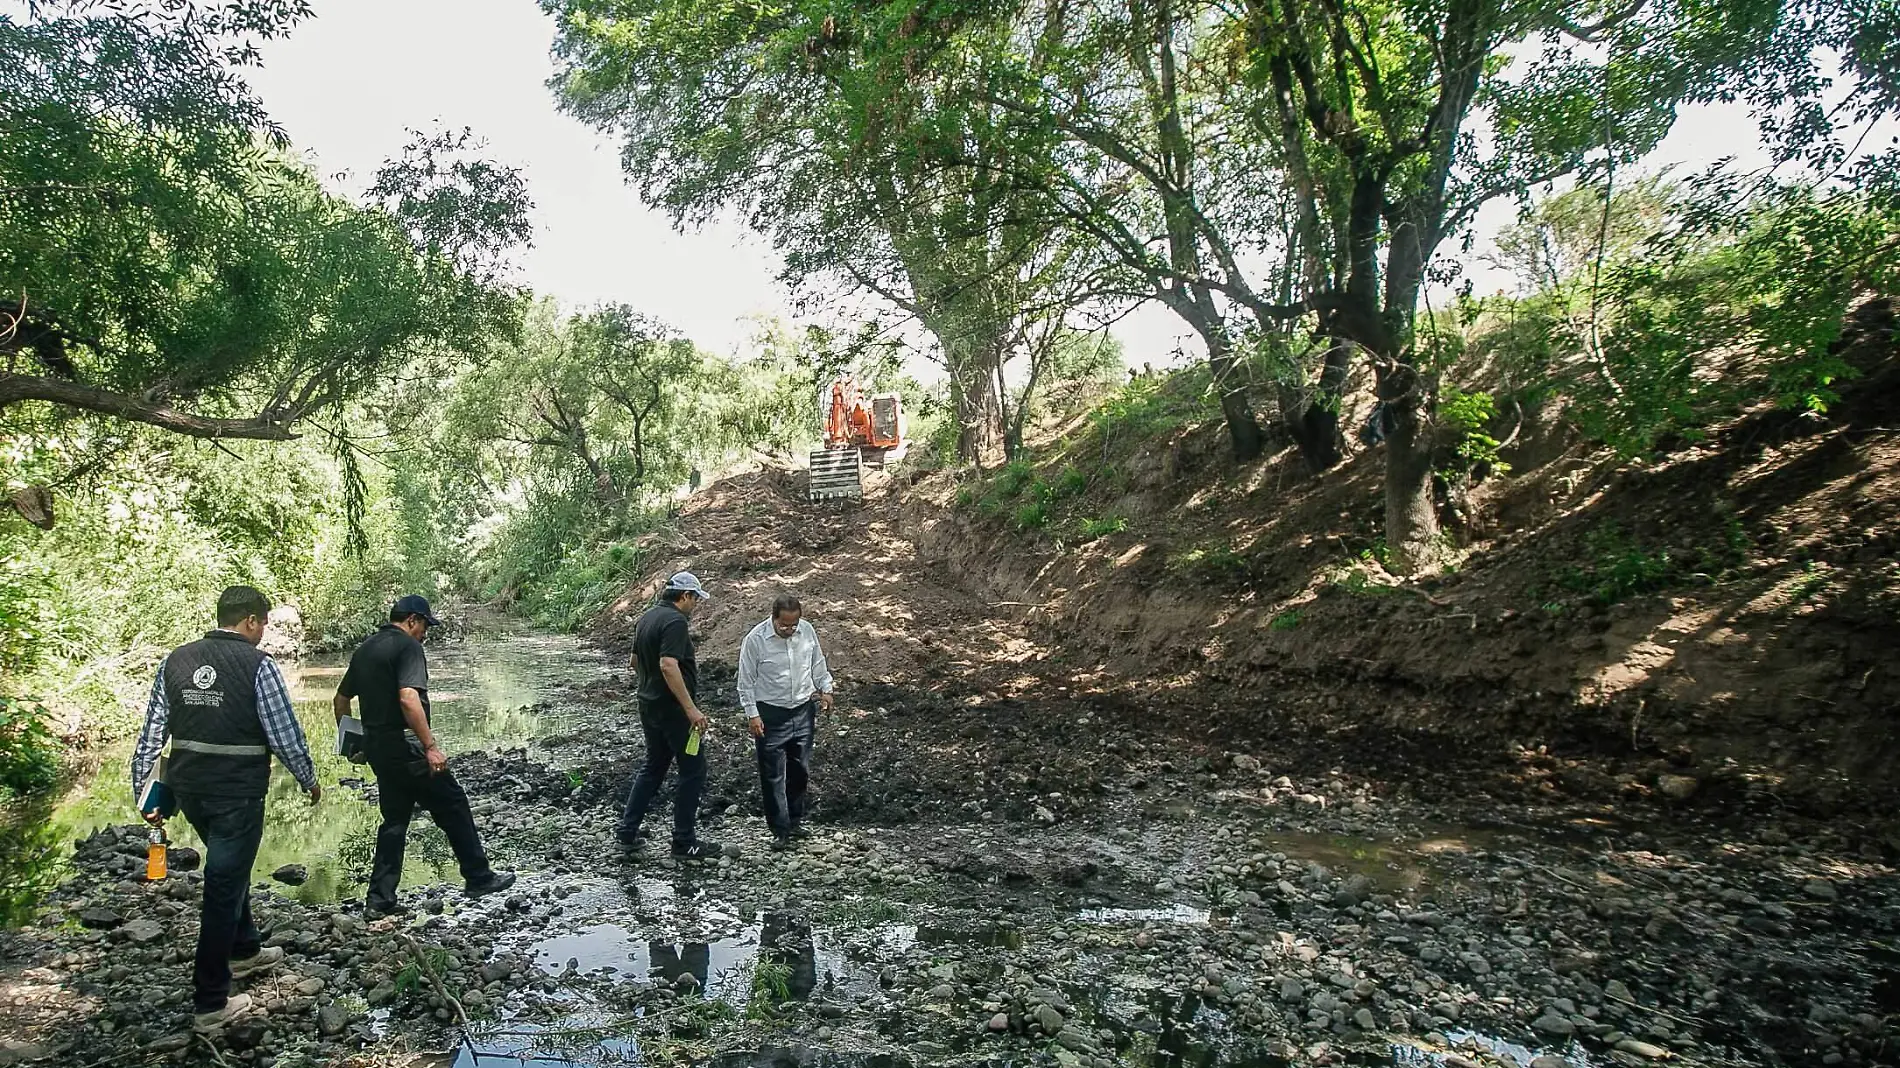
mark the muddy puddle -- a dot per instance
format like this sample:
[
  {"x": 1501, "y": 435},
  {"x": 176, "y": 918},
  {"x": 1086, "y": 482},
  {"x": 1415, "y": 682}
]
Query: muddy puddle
[{"x": 499, "y": 687}]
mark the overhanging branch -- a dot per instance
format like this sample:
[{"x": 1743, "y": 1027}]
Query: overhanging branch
[{"x": 273, "y": 425}]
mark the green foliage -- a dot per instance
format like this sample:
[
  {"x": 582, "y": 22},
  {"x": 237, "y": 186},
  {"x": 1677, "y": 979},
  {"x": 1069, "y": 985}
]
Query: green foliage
[
  {"x": 29, "y": 752},
  {"x": 1095, "y": 529},
  {"x": 1148, "y": 408},
  {"x": 1617, "y": 566},
  {"x": 1470, "y": 415},
  {"x": 1216, "y": 563},
  {"x": 771, "y": 986},
  {"x": 177, "y": 266},
  {"x": 1285, "y": 621},
  {"x": 1032, "y": 516}
]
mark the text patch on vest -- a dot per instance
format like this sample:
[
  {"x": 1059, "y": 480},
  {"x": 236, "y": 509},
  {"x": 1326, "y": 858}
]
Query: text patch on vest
[{"x": 203, "y": 695}]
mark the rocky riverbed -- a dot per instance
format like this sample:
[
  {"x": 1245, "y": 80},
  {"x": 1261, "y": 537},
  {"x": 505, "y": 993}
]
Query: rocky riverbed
[{"x": 991, "y": 885}]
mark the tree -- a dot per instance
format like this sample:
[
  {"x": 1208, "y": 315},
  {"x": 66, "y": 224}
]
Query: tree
[
  {"x": 1374, "y": 114},
  {"x": 864, "y": 165},
  {"x": 164, "y": 262}
]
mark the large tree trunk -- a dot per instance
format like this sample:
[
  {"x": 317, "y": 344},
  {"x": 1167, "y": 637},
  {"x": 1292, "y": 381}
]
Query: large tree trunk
[
  {"x": 1243, "y": 430},
  {"x": 1411, "y": 517}
]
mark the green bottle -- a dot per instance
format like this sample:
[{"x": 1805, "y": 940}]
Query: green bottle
[{"x": 692, "y": 742}]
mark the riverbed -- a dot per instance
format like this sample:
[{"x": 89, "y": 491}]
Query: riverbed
[{"x": 1172, "y": 906}]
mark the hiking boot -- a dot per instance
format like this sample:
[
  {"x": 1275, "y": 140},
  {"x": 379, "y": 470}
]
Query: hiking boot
[
  {"x": 234, "y": 1006},
  {"x": 496, "y": 882},
  {"x": 801, "y": 832},
  {"x": 700, "y": 850},
  {"x": 782, "y": 843},
  {"x": 262, "y": 961}
]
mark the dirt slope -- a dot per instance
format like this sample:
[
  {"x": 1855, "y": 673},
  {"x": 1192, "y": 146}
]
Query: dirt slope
[{"x": 1726, "y": 613}]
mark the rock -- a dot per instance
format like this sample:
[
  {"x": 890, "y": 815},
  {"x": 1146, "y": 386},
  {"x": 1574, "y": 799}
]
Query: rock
[
  {"x": 14, "y": 1051},
  {"x": 942, "y": 992},
  {"x": 143, "y": 931},
  {"x": 1044, "y": 816},
  {"x": 100, "y": 919},
  {"x": 346, "y": 927},
  {"x": 1292, "y": 990},
  {"x": 999, "y": 1022},
  {"x": 1549, "y": 1060},
  {"x": 1642, "y": 1049},
  {"x": 734, "y": 850},
  {"x": 182, "y": 858},
  {"x": 495, "y": 971},
  {"x": 1677, "y": 787},
  {"x": 1050, "y": 1020},
  {"x": 309, "y": 987},
  {"x": 382, "y": 994},
  {"x": 1244, "y": 762},
  {"x": 1364, "y": 1020},
  {"x": 291, "y": 875},
  {"x": 1820, "y": 890},
  {"x": 1554, "y": 1025},
  {"x": 169, "y": 1044},
  {"x": 332, "y": 1019}
]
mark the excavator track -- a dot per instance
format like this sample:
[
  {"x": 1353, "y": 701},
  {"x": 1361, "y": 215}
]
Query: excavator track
[{"x": 837, "y": 473}]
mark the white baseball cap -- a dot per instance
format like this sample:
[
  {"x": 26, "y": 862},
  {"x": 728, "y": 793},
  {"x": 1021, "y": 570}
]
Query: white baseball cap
[{"x": 687, "y": 582}]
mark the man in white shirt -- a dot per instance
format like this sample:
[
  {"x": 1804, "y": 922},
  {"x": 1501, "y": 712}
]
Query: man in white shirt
[{"x": 783, "y": 681}]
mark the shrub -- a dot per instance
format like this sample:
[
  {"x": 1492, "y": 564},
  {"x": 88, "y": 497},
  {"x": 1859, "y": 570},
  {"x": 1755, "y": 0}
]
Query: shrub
[{"x": 1101, "y": 528}]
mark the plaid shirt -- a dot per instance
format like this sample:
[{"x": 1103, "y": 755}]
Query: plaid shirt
[{"x": 274, "y": 711}]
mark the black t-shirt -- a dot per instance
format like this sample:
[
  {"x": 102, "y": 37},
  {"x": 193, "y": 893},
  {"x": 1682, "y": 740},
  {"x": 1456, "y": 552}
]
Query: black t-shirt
[
  {"x": 662, "y": 632},
  {"x": 379, "y": 670}
]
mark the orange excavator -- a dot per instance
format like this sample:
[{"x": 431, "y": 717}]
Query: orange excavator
[{"x": 858, "y": 428}]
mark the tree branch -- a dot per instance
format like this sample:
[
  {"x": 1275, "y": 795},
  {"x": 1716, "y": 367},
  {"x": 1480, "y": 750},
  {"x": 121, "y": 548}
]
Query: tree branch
[{"x": 273, "y": 425}]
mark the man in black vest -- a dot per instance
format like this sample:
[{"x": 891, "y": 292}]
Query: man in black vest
[
  {"x": 389, "y": 675},
  {"x": 225, "y": 707}
]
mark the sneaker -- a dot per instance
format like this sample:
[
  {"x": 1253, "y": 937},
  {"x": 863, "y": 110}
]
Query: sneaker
[
  {"x": 781, "y": 844},
  {"x": 801, "y": 831},
  {"x": 262, "y": 961},
  {"x": 496, "y": 882},
  {"x": 700, "y": 850},
  {"x": 234, "y": 1006}
]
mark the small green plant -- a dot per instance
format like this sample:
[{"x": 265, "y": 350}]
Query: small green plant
[
  {"x": 1093, "y": 529},
  {"x": 1287, "y": 620},
  {"x": 771, "y": 987},
  {"x": 1217, "y": 563},
  {"x": 412, "y": 975},
  {"x": 575, "y": 777},
  {"x": 1072, "y": 482},
  {"x": 1377, "y": 553},
  {"x": 1619, "y": 568},
  {"x": 1032, "y": 516},
  {"x": 1471, "y": 414}
]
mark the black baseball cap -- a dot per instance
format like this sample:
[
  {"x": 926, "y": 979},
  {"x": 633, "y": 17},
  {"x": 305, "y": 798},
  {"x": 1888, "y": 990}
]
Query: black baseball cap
[{"x": 414, "y": 604}]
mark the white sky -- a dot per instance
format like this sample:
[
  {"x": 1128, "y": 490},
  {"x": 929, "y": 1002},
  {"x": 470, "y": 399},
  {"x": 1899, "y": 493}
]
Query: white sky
[{"x": 348, "y": 84}]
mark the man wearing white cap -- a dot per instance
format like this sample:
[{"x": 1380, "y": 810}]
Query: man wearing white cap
[{"x": 668, "y": 682}]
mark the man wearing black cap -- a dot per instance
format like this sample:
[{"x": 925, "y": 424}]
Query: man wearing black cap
[
  {"x": 668, "y": 682},
  {"x": 389, "y": 675}
]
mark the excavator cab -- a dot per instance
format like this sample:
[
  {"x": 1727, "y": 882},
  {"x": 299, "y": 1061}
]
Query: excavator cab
[{"x": 858, "y": 429}]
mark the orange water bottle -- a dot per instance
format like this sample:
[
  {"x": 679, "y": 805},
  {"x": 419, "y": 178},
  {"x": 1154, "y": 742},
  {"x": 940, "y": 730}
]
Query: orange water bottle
[{"x": 155, "y": 853}]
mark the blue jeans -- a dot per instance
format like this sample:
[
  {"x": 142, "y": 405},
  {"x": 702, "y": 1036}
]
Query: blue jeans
[
  {"x": 231, "y": 828},
  {"x": 665, "y": 729},
  {"x": 785, "y": 763}
]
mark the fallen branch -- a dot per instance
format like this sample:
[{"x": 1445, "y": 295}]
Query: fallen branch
[{"x": 422, "y": 965}]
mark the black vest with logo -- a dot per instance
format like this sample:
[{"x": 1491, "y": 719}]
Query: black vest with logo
[{"x": 218, "y": 743}]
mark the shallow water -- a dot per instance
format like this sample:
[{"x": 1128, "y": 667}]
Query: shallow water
[{"x": 488, "y": 691}]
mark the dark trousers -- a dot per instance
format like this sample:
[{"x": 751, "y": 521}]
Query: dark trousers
[
  {"x": 665, "y": 730},
  {"x": 399, "y": 792},
  {"x": 231, "y": 828},
  {"x": 785, "y": 763}
]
